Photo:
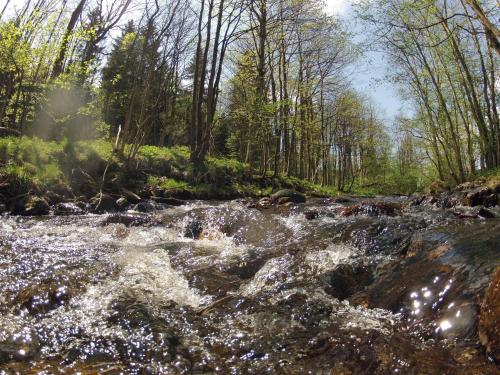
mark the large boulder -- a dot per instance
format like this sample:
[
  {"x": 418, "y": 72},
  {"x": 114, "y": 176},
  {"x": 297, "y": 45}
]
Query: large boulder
[
  {"x": 290, "y": 195},
  {"x": 489, "y": 320}
]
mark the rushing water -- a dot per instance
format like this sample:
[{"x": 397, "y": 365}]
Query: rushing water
[{"x": 255, "y": 292}]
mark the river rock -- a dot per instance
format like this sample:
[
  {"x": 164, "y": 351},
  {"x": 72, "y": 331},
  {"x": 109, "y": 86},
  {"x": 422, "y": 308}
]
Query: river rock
[
  {"x": 122, "y": 203},
  {"x": 35, "y": 206},
  {"x": 485, "y": 213},
  {"x": 489, "y": 321},
  {"x": 193, "y": 229},
  {"x": 63, "y": 190},
  {"x": 130, "y": 220},
  {"x": 290, "y": 195},
  {"x": 342, "y": 199},
  {"x": 130, "y": 196},
  {"x": 347, "y": 279},
  {"x": 144, "y": 206},
  {"x": 40, "y": 299},
  {"x": 480, "y": 196},
  {"x": 373, "y": 209},
  {"x": 83, "y": 183},
  {"x": 311, "y": 215},
  {"x": 67, "y": 208},
  {"x": 19, "y": 348},
  {"x": 170, "y": 201},
  {"x": 104, "y": 203}
]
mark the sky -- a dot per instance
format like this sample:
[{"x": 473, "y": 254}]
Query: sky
[{"x": 369, "y": 72}]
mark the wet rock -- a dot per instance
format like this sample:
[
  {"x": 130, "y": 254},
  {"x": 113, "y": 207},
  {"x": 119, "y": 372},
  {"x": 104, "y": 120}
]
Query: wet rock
[
  {"x": 193, "y": 229},
  {"x": 450, "y": 199},
  {"x": 53, "y": 198},
  {"x": 484, "y": 196},
  {"x": 35, "y": 206},
  {"x": 285, "y": 200},
  {"x": 264, "y": 203},
  {"x": 122, "y": 203},
  {"x": 3, "y": 208},
  {"x": 130, "y": 220},
  {"x": 311, "y": 215},
  {"x": 489, "y": 321},
  {"x": 21, "y": 347},
  {"x": 347, "y": 279},
  {"x": 170, "y": 201},
  {"x": 63, "y": 191},
  {"x": 343, "y": 199},
  {"x": 103, "y": 203},
  {"x": 130, "y": 196},
  {"x": 485, "y": 213},
  {"x": 83, "y": 183},
  {"x": 40, "y": 299},
  {"x": 144, "y": 207},
  {"x": 290, "y": 195},
  {"x": 67, "y": 209},
  {"x": 373, "y": 209}
]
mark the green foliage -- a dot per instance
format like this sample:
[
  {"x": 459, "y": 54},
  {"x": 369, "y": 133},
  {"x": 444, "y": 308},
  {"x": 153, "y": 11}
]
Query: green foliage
[
  {"x": 31, "y": 159},
  {"x": 92, "y": 149},
  {"x": 166, "y": 183}
]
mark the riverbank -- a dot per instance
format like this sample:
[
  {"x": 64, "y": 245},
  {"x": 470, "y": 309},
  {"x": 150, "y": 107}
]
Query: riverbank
[{"x": 36, "y": 175}]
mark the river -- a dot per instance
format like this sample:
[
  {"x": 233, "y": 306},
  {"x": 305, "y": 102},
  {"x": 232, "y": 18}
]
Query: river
[{"x": 223, "y": 288}]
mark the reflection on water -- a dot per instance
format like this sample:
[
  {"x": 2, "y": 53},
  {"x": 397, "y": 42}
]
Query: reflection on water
[{"x": 221, "y": 288}]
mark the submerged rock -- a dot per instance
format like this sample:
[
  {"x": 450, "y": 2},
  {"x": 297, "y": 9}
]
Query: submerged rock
[
  {"x": 288, "y": 195},
  {"x": 193, "y": 229},
  {"x": 40, "y": 299},
  {"x": 373, "y": 209},
  {"x": 311, "y": 215},
  {"x": 489, "y": 322},
  {"x": 347, "y": 279}
]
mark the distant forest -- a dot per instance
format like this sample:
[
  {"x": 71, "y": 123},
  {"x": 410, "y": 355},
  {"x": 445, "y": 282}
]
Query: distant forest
[{"x": 266, "y": 82}]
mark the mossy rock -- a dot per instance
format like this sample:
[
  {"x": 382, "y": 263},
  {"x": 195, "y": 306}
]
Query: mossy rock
[{"x": 291, "y": 195}]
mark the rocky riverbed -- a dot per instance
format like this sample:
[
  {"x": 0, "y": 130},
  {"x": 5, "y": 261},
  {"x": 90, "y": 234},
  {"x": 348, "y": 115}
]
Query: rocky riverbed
[{"x": 329, "y": 286}]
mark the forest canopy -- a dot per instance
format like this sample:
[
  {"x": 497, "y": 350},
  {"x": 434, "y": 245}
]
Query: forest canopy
[{"x": 265, "y": 82}]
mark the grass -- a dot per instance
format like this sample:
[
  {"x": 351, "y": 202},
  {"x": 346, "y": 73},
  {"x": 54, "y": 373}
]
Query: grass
[
  {"x": 35, "y": 162},
  {"x": 31, "y": 160}
]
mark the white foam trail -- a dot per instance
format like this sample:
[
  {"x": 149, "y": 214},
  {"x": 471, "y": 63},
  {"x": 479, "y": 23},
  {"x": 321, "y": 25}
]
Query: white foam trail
[{"x": 328, "y": 259}]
